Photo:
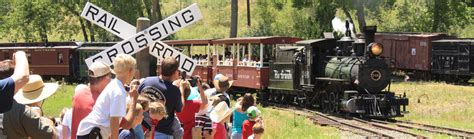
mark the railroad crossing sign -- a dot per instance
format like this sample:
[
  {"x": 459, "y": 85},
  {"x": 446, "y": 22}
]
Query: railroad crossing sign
[
  {"x": 135, "y": 42},
  {"x": 108, "y": 21},
  {"x": 162, "y": 50}
]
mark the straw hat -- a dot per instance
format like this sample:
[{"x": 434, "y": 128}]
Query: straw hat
[
  {"x": 222, "y": 83},
  {"x": 220, "y": 112},
  {"x": 35, "y": 90}
]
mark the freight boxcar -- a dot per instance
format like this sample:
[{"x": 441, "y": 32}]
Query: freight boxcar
[
  {"x": 453, "y": 60},
  {"x": 410, "y": 52}
]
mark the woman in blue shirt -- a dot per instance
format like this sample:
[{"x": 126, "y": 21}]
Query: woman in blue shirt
[{"x": 240, "y": 115}]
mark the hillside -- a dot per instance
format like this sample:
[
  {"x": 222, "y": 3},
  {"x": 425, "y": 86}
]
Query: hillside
[{"x": 307, "y": 19}]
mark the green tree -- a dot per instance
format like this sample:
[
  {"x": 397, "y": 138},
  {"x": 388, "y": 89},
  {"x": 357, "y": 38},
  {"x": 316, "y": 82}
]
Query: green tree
[
  {"x": 447, "y": 14},
  {"x": 265, "y": 17},
  {"x": 30, "y": 20},
  {"x": 423, "y": 16}
]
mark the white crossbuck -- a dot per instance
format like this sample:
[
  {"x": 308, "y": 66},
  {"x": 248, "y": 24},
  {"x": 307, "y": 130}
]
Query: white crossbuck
[{"x": 135, "y": 42}]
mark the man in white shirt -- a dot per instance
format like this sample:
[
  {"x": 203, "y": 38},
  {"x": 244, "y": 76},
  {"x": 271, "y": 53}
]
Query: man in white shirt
[{"x": 110, "y": 107}]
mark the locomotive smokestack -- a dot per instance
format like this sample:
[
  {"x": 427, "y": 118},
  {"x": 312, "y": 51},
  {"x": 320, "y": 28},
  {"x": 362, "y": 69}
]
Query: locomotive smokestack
[{"x": 369, "y": 34}]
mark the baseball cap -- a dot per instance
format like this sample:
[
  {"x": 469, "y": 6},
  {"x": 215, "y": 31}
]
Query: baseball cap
[
  {"x": 98, "y": 69},
  {"x": 253, "y": 112}
]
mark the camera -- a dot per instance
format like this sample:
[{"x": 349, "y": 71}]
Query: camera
[{"x": 134, "y": 82}]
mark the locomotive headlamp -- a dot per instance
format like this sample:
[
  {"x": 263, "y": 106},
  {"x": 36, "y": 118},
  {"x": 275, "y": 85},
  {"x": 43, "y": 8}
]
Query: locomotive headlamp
[{"x": 376, "y": 49}]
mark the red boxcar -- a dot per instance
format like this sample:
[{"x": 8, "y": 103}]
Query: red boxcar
[{"x": 408, "y": 51}]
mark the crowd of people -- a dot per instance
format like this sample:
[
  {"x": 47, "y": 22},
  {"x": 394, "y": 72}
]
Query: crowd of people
[{"x": 116, "y": 105}]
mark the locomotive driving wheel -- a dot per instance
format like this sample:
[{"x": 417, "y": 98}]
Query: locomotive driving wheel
[
  {"x": 333, "y": 102},
  {"x": 324, "y": 103},
  {"x": 301, "y": 100}
]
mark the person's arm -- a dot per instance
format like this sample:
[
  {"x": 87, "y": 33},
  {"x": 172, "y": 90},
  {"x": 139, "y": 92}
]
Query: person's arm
[
  {"x": 22, "y": 70},
  {"x": 36, "y": 126},
  {"x": 65, "y": 131},
  {"x": 204, "y": 100},
  {"x": 181, "y": 89},
  {"x": 213, "y": 133},
  {"x": 207, "y": 135},
  {"x": 127, "y": 121},
  {"x": 148, "y": 134},
  {"x": 114, "y": 127}
]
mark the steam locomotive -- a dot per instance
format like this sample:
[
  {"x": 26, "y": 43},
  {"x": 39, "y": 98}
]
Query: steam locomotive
[{"x": 336, "y": 76}]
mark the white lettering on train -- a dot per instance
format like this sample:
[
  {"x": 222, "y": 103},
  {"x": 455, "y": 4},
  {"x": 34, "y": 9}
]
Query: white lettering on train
[{"x": 284, "y": 74}]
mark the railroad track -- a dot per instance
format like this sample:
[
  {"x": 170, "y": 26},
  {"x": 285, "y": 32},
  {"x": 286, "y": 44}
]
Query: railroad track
[
  {"x": 429, "y": 128},
  {"x": 356, "y": 126}
]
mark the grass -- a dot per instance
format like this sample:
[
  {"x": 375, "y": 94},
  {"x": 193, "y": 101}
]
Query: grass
[
  {"x": 284, "y": 124},
  {"x": 53, "y": 105},
  {"x": 439, "y": 103}
]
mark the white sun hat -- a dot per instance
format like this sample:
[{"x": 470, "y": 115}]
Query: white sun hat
[{"x": 220, "y": 112}]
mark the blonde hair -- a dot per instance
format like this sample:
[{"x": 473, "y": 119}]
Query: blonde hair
[
  {"x": 124, "y": 63},
  {"x": 258, "y": 128},
  {"x": 159, "y": 108}
]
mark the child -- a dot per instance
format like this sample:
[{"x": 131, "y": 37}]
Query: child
[
  {"x": 240, "y": 115},
  {"x": 157, "y": 112},
  {"x": 138, "y": 114},
  {"x": 219, "y": 116},
  {"x": 253, "y": 113},
  {"x": 203, "y": 124},
  {"x": 257, "y": 131},
  {"x": 110, "y": 107},
  {"x": 192, "y": 105}
]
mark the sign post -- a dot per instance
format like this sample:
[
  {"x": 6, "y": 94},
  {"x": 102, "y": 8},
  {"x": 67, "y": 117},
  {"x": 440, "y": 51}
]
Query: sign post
[{"x": 143, "y": 57}]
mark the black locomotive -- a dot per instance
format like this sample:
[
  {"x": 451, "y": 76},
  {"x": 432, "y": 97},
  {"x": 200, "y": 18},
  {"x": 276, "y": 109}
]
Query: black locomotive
[{"x": 346, "y": 75}]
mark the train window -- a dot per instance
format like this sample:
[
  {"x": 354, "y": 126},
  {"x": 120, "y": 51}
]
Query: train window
[{"x": 60, "y": 58}]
